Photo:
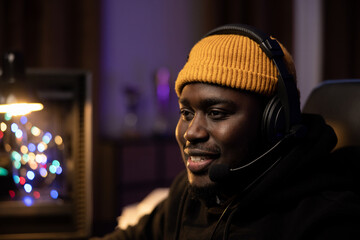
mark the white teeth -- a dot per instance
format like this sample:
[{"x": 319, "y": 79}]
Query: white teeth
[{"x": 196, "y": 158}]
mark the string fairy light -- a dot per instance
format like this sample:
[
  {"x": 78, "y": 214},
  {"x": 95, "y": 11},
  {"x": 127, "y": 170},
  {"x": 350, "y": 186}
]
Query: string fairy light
[{"x": 36, "y": 159}]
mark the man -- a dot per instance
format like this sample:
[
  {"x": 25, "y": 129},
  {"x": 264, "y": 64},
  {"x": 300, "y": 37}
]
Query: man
[{"x": 255, "y": 168}]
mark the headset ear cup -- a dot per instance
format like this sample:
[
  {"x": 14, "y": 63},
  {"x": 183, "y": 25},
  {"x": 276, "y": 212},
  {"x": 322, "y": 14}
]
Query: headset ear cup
[{"x": 273, "y": 123}]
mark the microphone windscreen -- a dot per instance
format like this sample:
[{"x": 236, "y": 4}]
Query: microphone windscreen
[{"x": 219, "y": 172}]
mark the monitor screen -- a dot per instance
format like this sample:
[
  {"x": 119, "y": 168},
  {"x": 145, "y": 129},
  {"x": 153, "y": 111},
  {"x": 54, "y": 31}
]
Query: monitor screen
[{"x": 45, "y": 160}]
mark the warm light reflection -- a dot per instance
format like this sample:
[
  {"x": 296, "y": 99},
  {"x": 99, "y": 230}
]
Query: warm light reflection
[
  {"x": 3, "y": 126},
  {"x": 35, "y": 131},
  {"x": 32, "y": 156},
  {"x": 7, "y": 147},
  {"x": 58, "y": 140},
  {"x": 33, "y": 165},
  {"x": 24, "y": 149},
  {"x": 41, "y": 158},
  {"x": 17, "y": 109}
]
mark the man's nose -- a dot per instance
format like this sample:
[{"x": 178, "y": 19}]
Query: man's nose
[{"x": 197, "y": 129}]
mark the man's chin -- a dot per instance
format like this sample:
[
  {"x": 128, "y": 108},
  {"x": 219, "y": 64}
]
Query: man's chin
[
  {"x": 203, "y": 189},
  {"x": 207, "y": 193},
  {"x": 199, "y": 179}
]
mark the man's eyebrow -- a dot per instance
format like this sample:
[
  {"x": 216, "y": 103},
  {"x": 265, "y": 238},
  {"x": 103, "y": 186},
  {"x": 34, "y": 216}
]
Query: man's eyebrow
[{"x": 208, "y": 102}]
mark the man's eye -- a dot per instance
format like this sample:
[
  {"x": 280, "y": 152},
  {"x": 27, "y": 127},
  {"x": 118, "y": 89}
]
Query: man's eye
[
  {"x": 187, "y": 115},
  {"x": 215, "y": 114}
]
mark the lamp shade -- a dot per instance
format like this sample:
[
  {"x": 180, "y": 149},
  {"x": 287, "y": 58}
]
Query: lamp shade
[{"x": 17, "y": 96}]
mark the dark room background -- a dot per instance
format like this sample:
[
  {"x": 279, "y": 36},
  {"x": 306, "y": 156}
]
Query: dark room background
[{"x": 128, "y": 46}]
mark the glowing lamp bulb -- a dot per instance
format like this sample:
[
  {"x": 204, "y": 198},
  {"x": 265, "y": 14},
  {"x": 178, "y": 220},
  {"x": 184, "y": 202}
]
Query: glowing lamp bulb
[{"x": 17, "y": 109}]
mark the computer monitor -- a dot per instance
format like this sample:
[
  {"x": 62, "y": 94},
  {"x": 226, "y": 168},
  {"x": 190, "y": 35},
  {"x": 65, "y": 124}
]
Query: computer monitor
[{"x": 45, "y": 161}]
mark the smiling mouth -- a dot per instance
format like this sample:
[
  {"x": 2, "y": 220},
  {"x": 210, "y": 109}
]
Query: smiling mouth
[
  {"x": 197, "y": 158},
  {"x": 200, "y": 163}
]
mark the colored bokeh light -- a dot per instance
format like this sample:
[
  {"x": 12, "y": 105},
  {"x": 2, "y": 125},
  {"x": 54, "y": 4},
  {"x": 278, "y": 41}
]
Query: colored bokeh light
[
  {"x": 47, "y": 137},
  {"x": 22, "y": 180},
  {"x": 17, "y": 164},
  {"x": 15, "y": 156},
  {"x": 14, "y": 127},
  {"x": 18, "y": 133},
  {"x": 12, "y": 193},
  {"x": 58, "y": 170},
  {"x": 35, "y": 131},
  {"x": 23, "y": 120},
  {"x": 8, "y": 116},
  {"x": 27, "y": 187},
  {"x": 16, "y": 179},
  {"x": 32, "y": 156},
  {"x": 58, "y": 140},
  {"x": 7, "y": 147},
  {"x": 28, "y": 201},
  {"x": 54, "y": 194},
  {"x": 41, "y": 158},
  {"x": 32, "y": 147},
  {"x": 55, "y": 167},
  {"x": 33, "y": 165},
  {"x": 56, "y": 163},
  {"x": 43, "y": 172},
  {"x": 52, "y": 169},
  {"x": 36, "y": 195},
  {"x": 30, "y": 175},
  {"x": 3, "y": 171},
  {"x": 41, "y": 147},
  {"x": 3, "y": 127},
  {"x": 24, "y": 149},
  {"x": 29, "y": 149},
  {"x": 25, "y": 157}
]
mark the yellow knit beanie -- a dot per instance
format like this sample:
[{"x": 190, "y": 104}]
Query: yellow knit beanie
[{"x": 233, "y": 61}]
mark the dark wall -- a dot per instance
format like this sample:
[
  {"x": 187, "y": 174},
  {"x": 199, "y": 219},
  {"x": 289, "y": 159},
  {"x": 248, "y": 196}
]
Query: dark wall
[
  {"x": 52, "y": 34},
  {"x": 274, "y": 17},
  {"x": 341, "y": 39}
]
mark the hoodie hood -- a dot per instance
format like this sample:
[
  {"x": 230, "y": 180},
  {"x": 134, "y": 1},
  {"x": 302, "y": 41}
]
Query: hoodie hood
[{"x": 305, "y": 170}]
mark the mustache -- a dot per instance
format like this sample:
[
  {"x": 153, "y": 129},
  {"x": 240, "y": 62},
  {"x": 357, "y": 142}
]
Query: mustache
[{"x": 202, "y": 147}]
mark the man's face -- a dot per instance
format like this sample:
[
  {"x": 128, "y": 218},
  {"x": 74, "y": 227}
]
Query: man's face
[{"x": 217, "y": 125}]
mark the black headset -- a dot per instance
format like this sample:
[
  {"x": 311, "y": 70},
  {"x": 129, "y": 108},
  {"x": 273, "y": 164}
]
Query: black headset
[{"x": 282, "y": 112}]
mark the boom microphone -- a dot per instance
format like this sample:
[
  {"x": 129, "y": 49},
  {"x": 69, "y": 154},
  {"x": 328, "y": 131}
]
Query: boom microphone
[
  {"x": 223, "y": 172},
  {"x": 219, "y": 172}
]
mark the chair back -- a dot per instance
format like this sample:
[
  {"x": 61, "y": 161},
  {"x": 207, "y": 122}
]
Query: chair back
[{"x": 338, "y": 101}]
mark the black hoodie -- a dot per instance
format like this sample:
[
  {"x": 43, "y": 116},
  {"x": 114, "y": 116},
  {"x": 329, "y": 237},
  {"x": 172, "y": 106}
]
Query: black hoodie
[{"x": 311, "y": 193}]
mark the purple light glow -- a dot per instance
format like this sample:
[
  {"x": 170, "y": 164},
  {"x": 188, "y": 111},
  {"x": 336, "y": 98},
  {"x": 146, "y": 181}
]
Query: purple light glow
[
  {"x": 162, "y": 84},
  {"x": 28, "y": 201}
]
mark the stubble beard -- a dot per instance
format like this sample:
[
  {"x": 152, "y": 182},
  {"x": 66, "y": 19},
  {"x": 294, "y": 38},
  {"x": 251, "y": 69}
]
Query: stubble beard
[{"x": 208, "y": 194}]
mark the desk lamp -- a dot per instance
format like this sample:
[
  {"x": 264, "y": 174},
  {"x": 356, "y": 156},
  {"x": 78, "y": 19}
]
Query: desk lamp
[{"x": 16, "y": 95}]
